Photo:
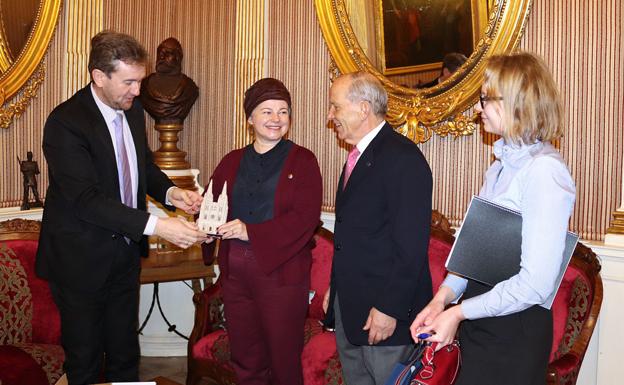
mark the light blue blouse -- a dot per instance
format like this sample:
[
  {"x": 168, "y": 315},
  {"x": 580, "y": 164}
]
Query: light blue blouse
[{"x": 534, "y": 180}]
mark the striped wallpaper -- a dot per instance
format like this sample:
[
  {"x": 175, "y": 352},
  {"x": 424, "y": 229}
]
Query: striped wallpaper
[{"x": 225, "y": 53}]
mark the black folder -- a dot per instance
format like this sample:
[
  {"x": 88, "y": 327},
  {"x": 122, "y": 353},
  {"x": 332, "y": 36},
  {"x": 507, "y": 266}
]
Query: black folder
[{"x": 488, "y": 245}]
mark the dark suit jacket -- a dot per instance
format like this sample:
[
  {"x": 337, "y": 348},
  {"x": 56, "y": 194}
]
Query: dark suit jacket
[
  {"x": 282, "y": 244},
  {"x": 381, "y": 238},
  {"x": 84, "y": 222}
]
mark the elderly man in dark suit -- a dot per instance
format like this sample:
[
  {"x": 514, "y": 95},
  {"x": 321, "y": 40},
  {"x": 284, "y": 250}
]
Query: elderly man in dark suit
[
  {"x": 380, "y": 275},
  {"x": 95, "y": 219}
]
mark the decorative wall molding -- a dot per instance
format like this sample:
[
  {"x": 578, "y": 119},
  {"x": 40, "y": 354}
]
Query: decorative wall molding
[
  {"x": 8, "y": 213},
  {"x": 250, "y": 60},
  {"x": 84, "y": 19}
]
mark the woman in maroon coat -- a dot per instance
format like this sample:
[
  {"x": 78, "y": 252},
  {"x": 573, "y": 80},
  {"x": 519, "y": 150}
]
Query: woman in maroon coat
[{"x": 274, "y": 191}]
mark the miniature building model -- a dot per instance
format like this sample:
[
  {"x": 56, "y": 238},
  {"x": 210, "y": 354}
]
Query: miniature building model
[{"x": 213, "y": 214}]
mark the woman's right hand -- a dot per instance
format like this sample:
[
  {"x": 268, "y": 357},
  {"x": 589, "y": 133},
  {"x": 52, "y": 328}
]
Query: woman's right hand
[
  {"x": 426, "y": 317},
  {"x": 443, "y": 328}
]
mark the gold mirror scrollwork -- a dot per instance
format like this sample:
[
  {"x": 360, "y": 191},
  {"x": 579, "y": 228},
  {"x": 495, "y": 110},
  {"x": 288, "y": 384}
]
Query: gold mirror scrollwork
[
  {"x": 26, "y": 72},
  {"x": 418, "y": 113}
]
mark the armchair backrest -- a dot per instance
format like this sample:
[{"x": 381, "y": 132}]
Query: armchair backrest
[
  {"x": 29, "y": 314},
  {"x": 440, "y": 244},
  {"x": 320, "y": 271},
  {"x": 576, "y": 308}
]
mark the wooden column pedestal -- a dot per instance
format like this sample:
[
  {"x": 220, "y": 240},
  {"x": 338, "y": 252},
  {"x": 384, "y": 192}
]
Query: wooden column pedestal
[{"x": 170, "y": 157}]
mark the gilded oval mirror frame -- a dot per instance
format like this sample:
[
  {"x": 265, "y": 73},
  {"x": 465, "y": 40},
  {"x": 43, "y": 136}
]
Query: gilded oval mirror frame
[
  {"x": 27, "y": 71},
  {"x": 418, "y": 113}
]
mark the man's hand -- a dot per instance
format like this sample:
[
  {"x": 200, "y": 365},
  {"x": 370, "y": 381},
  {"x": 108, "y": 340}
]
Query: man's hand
[
  {"x": 179, "y": 231},
  {"x": 235, "y": 229},
  {"x": 379, "y": 325},
  {"x": 187, "y": 200}
]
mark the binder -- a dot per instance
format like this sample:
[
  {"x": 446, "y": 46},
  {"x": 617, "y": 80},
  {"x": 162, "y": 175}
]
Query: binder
[{"x": 488, "y": 246}]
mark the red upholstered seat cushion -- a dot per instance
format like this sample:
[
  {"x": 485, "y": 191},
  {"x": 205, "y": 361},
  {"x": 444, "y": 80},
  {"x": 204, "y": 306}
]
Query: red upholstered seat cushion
[
  {"x": 19, "y": 368},
  {"x": 320, "y": 273},
  {"x": 319, "y": 359},
  {"x": 45, "y": 323},
  {"x": 570, "y": 310},
  {"x": 49, "y": 357},
  {"x": 214, "y": 346}
]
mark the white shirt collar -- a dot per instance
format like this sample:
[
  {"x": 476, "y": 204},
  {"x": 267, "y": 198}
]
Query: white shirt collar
[
  {"x": 108, "y": 112},
  {"x": 516, "y": 155},
  {"x": 368, "y": 138}
]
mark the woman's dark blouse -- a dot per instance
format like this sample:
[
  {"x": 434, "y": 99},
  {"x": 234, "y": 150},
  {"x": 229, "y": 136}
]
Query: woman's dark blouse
[{"x": 253, "y": 196}]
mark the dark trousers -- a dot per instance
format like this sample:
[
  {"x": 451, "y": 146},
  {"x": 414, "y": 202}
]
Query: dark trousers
[
  {"x": 506, "y": 350},
  {"x": 100, "y": 326},
  {"x": 264, "y": 320}
]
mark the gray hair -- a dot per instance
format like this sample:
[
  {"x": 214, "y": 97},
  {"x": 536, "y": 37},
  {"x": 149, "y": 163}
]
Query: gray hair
[{"x": 366, "y": 87}]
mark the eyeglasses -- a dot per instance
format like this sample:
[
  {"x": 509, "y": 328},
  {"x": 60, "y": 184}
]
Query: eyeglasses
[{"x": 484, "y": 98}]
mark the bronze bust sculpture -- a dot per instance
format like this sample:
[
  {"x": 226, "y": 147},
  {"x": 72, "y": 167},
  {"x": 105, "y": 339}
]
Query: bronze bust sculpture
[
  {"x": 29, "y": 169},
  {"x": 167, "y": 94}
]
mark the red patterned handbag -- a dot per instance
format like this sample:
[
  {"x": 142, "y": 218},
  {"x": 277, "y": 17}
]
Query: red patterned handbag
[
  {"x": 425, "y": 366},
  {"x": 438, "y": 368}
]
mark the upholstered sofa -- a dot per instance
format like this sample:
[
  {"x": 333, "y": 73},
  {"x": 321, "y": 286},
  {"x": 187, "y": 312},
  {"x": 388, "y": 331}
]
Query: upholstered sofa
[{"x": 30, "y": 351}]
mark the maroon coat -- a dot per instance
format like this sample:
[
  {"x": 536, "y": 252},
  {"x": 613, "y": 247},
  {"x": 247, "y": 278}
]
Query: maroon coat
[{"x": 281, "y": 245}]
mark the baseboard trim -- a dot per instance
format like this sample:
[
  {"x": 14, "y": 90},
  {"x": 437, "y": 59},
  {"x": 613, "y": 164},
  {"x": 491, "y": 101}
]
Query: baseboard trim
[{"x": 163, "y": 346}]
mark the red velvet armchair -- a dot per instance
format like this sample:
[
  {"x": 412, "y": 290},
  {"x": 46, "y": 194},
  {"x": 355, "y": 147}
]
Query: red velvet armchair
[
  {"x": 208, "y": 348},
  {"x": 321, "y": 365},
  {"x": 30, "y": 331},
  {"x": 575, "y": 312}
]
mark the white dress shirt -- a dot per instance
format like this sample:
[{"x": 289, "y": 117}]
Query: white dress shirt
[
  {"x": 109, "y": 115},
  {"x": 367, "y": 139},
  {"x": 534, "y": 180}
]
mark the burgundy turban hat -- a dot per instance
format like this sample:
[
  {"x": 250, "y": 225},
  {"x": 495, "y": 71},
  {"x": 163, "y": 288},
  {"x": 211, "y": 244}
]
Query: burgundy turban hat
[{"x": 263, "y": 90}]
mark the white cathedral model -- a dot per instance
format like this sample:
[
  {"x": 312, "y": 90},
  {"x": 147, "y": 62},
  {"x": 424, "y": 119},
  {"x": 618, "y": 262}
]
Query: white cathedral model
[{"x": 213, "y": 214}]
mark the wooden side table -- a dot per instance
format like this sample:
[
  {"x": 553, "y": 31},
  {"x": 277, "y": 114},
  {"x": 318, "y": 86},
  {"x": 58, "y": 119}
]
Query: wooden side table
[{"x": 170, "y": 266}]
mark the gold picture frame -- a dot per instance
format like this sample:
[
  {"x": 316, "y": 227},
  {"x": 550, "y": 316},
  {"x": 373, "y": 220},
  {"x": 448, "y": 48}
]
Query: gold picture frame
[
  {"x": 26, "y": 72},
  {"x": 419, "y": 113},
  {"x": 408, "y": 32}
]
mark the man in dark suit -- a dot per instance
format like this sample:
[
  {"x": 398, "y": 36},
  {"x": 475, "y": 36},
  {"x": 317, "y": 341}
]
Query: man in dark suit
[
  {"x": 95, "y": 220},
  {"x": 380, "y": 274}
]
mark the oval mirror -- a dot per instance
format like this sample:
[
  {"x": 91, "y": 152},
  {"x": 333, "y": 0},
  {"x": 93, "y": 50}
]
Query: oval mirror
[
  {"x": 403, "y": 44},
  {"x": 26, "y": 28}
]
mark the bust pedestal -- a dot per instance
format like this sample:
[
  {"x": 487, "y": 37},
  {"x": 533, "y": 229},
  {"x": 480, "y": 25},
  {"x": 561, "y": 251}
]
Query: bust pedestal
[{"x": 170, "y": 158}]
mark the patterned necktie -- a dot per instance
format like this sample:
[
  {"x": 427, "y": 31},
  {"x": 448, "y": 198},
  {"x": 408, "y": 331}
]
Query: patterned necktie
[
  {"x": 123, "y": 164},
  {"x": 351, "y": 161}
]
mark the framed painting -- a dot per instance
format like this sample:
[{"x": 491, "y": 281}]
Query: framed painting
[{"x": 414, "y": 35}]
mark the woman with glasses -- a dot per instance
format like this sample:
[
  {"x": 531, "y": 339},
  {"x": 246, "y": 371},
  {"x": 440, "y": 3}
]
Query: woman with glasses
[{"x": 505, "y": 335}]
